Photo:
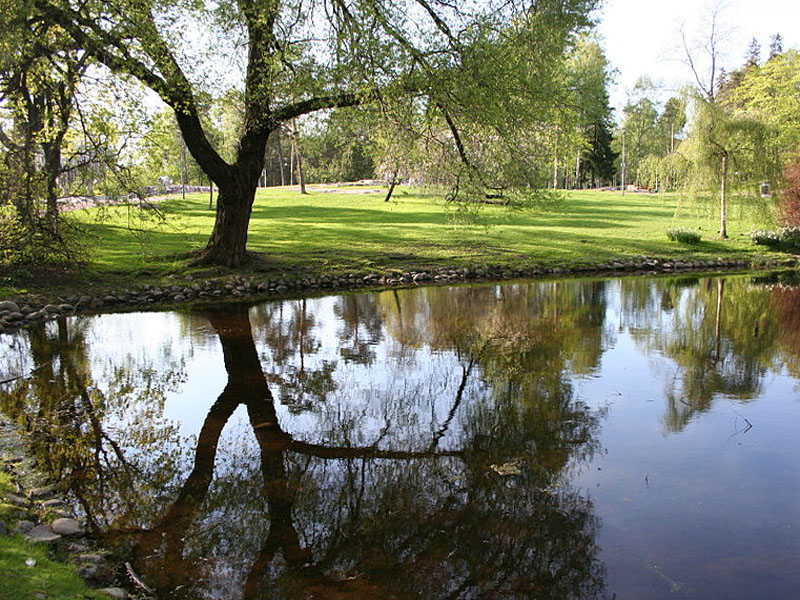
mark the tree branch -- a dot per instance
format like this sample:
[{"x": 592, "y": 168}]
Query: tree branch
[
  {"x": 304, "y": 107},
  {"x": 171, "y": 84}
]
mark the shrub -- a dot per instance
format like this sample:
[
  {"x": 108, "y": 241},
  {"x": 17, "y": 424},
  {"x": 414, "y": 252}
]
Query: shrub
[
  {"x": 789, "y": 205},
  {"x": 785, "y": 238},
  {"x": 684, "y": 236},
  {"x": 790, "y": 238},
  {"x": 762, "y": 237}
]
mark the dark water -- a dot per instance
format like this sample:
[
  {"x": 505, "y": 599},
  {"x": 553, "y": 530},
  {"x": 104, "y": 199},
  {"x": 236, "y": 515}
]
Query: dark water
[{"x": 637, "y": 438}]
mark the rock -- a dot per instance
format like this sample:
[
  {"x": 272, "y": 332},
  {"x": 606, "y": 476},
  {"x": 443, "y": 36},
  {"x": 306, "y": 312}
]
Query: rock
[
  {"x": 66, "y": 526},
  {"x": 96, "y": 573},
  {"x": 77, "y": 548},
  {"x": 114, "y": 592},
  {"x": 41, "y": 492},
  {"x": 51, "y": 308},
  {"x": 42, "y": 533},
  {"x": 17, "y": 500},
  {"x": 94, "y": 559},
  {"x": 66, "y": 308},
  {"x": 9, "y": 306},
  {"x": 14, "y": 316},
  {"x": 23, "y": 526},
  {"x": 4, "y": 528},
  {"x": 53, "y": 502}
]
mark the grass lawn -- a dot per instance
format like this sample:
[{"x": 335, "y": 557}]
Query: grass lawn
[
  {"x": 339, "y": 233},
  {"x": 45, "y": 578}
]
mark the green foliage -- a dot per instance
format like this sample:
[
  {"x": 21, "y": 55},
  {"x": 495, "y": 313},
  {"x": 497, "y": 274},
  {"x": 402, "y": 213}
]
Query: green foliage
[
  {"x": 726, "y": 155},
  {"x": 341, "y": 148},
  {"x": 682, "y": 235},
  {"x": 771, "y": 94},
  {"x": 36, "y": 242}
]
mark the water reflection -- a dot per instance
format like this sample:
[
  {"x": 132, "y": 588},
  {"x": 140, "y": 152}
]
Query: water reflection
[{"x": 434, "y": 443}]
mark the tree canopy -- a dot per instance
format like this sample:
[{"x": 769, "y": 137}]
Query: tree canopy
[{"x": 467, "y": 63}]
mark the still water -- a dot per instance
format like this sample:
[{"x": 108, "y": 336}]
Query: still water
[{"x": 633, "y": 438}]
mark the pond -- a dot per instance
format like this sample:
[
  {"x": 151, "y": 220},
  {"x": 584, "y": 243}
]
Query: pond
[{"x": 635, "y": 438}]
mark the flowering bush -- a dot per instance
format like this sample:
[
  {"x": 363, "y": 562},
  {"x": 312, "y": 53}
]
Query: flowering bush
[{"x": 785, "y": 238}]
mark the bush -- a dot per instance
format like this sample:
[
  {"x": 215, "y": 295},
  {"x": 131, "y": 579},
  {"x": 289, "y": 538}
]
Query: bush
[
  {"x": 786, "y": 238},
  {"x": 762, "y": 237},
  {"x": 684, "y": 236},
  {"x": 789, "y": 204},
  {"x": 790, "y": 238},
  {"x": 38, "y": 242}
]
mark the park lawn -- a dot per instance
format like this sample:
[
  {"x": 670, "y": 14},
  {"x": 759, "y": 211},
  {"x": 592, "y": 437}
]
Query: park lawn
[{"x": 339, "y": 233}]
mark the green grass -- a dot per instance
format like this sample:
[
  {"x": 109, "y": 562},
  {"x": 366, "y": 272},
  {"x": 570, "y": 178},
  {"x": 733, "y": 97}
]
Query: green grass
[
  {"x": 18, "y": 581},
  {"x": 338, "y": 233}
]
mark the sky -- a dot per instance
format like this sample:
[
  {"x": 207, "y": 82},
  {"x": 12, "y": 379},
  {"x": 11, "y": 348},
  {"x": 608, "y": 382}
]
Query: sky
[{"x": 641, "y": 37}]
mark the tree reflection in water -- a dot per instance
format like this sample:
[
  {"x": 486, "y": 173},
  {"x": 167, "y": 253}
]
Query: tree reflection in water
[
  {"x": 407, "y": 444},
  {"x": 721, "y": 334},
  {"x": 320, "y": 514},
  {"x": 348, "y": 521}
]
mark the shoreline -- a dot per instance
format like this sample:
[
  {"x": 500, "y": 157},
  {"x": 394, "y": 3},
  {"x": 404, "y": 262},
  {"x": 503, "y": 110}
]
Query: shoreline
[{"x": 29, "y": 309}]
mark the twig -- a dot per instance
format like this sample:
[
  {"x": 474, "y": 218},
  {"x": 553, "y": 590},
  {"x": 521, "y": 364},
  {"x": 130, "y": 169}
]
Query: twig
[
  {"x": 137, "y": 580},
  {"x": 25, "y": 376}
]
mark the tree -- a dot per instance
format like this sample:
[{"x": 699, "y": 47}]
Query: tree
[
  {"x": 775, "y": 46},
  {"x": 771, "y": 94},
  {"x": 725, "y": 151},
  {"x": 671, "y": 122},
  {"x": 753, "y": 56},
  {"x": 297, "y": 61},
  {"x": 639, "y": 123},
  {"x": 39, "y": 75},
  {"x": 341, "y": 147},
  {"x": 589, "y": 76}
]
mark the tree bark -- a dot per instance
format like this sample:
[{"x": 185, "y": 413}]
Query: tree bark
[
  {"x": 723, "y": 200},
  {"x": 228, "y": 243},
  {"x": 51, "y": 153},
  {"x": 392, "y": 185}
]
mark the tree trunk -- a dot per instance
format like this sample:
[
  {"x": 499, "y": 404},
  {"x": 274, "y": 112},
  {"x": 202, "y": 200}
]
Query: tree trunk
[
  {"x": 723, "y": 200},
  {"x": 228, "y": 243},
  {"x": 555, "y": 172},
  {"x": 299, "y": 157},
  {"x": 52, "y": 167},
  {"x": 280, "y": 156},
  {"x": 392, "y": 184}
]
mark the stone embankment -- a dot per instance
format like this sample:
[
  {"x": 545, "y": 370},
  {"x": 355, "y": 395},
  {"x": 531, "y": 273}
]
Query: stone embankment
[
  {"x": 19, "y": 313},
  {"x": 42, "y": 516}
]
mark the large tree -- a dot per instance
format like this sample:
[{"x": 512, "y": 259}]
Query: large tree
[{"x": 298, "y": 57}]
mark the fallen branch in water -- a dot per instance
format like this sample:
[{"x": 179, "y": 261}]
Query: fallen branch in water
[
  {"x": 25, "y": 376},
  {"x": 135, "y": 578}
]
